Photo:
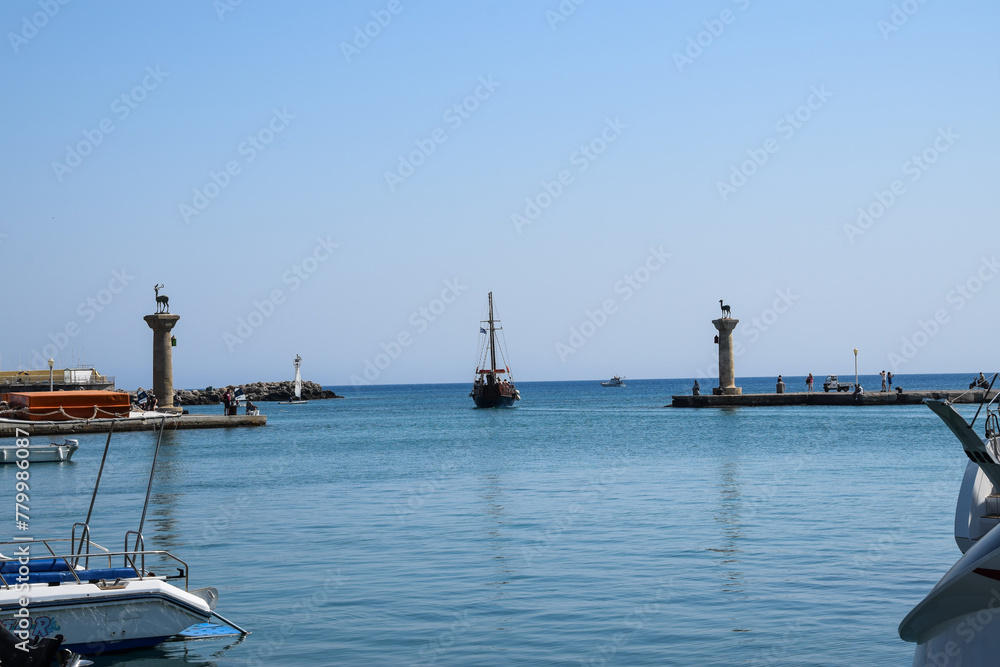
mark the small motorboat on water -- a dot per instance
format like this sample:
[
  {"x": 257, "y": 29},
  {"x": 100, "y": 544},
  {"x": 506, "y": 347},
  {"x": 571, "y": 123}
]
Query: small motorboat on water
[
  {"x": 616, "y": 381},
  {"x": 96, "y": 599},
  {"x": 951, "y": 625},
  {"x": 489, "y": 390},
  {"x": 52, "y": 452}
]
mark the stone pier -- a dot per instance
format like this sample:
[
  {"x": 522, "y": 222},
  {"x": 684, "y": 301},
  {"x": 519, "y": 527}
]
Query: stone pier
[
  {"x": 163, "y": 368},
  {"x": 9, "y": 428},
  {"x": 727, "y": 371},
  {"x": 832, "y": 398}
]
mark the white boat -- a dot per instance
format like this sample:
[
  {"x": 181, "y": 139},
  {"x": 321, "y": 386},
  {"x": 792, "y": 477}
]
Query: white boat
[
  {"x": 99, "y": 600},
  {"x": 53, "y": 452},
  {"x": 616, "y": 381},
  {"x": 951, "y": 625},
  {"x": 95, "y": 605},
  {"x": 298, "y": 385}
]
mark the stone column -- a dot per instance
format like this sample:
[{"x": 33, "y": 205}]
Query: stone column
[
  {"x": 727, "y": 371},
  {"x": 163, "y": 365}
]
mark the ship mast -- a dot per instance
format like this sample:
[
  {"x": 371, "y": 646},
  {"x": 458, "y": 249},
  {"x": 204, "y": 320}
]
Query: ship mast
[{"x": 493, "y": 354}]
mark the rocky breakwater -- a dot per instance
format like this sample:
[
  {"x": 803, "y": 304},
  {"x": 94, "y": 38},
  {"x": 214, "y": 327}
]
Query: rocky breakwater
[{"x": 255, "y": 391}]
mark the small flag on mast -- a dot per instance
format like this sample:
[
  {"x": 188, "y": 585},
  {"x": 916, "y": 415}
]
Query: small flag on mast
[{"x": 482, "y": 330}]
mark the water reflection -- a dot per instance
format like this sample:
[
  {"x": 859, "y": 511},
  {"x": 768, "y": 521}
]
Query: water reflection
[
  {"x": 492, "y": 496},
  {"x": 199, "y": 653},
  {"x": 162, "y": 529},
  {"x": 728, "y": 515}
]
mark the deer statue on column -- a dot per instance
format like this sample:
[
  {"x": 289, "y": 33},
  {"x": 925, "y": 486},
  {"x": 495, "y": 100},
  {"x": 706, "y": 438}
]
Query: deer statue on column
[{"x": 162, "y": 302}]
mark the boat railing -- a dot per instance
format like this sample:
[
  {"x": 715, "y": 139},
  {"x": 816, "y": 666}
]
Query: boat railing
[
  {"x": 43, "y": 379},
  {"x": 992, "y": 425},
  {"x": 129, "y": 557},
  {"x": 139, "y": 548},
  {"x": 83, "y": 550}
]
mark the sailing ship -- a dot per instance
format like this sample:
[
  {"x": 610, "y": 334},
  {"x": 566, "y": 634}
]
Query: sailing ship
[
  {"x": 489, "y": 390},
  {"x": 298, "y": 385}
]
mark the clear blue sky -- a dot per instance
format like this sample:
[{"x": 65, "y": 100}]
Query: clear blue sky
[{"x": 829, "y": 103}]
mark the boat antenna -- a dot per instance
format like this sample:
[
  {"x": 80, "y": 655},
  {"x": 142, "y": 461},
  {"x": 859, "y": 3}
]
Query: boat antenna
[
  {"x": 985, "y": 396},
  {"x": 90, "y": 510},
  {"x": 152, "y": 470},
  {"x": 100, "y": 471}
]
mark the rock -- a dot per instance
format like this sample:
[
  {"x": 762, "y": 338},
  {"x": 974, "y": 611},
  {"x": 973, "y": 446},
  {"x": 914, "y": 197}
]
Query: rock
[{"x": 255, "y": 391}]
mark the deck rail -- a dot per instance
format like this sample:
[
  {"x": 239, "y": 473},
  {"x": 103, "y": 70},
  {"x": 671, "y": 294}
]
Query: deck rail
[
  {"x": 130, "y": 558},
  {"x": 32, "y": 380}
]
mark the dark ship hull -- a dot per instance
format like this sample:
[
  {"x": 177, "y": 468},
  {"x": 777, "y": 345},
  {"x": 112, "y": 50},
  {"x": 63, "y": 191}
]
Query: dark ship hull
[{"x": 492, "y": 397}]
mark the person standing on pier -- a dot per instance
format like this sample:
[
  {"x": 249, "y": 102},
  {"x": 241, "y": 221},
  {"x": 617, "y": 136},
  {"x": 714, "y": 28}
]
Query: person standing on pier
[
  {"x": 888, "y": 377},
  {"x": 882, "y": 375},
  {"x": 809, "y": 383}
]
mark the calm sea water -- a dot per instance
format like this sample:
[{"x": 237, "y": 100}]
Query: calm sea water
[{"x": 587, "y": 526}]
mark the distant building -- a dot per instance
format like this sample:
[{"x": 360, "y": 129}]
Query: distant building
[{"x": 66, "y": 379}]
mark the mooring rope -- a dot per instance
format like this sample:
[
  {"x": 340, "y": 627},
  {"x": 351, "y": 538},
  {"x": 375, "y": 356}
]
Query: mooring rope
[{"x": 61, "y": 411}]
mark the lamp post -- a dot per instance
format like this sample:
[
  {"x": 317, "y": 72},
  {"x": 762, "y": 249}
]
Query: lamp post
[
  {"x": 855, "y": 369},
  {"x": 51, "y": 364}
]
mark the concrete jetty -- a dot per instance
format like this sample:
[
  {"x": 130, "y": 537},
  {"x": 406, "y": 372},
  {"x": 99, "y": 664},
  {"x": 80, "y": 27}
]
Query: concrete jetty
[
  {"x": 829, "y": 398},
  {"x": 8, "y": 427}
]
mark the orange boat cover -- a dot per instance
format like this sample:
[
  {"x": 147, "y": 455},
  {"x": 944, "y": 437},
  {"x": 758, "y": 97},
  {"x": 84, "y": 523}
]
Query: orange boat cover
[{"x": 65, "y": 405}]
